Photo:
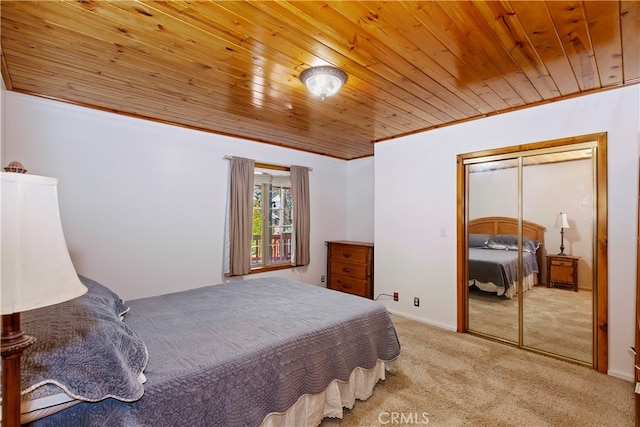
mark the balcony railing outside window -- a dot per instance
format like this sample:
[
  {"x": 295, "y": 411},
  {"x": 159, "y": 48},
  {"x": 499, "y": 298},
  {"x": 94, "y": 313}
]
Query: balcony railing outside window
[{"x": 280, "y": 248}]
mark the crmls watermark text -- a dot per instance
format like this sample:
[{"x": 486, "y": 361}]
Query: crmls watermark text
[{"x": 403, "y": 418}]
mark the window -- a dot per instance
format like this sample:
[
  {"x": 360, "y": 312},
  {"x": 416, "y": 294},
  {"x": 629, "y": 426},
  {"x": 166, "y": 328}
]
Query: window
[
  {"x": 281, "y": 196},
  {"x": 272, "y": 219}
]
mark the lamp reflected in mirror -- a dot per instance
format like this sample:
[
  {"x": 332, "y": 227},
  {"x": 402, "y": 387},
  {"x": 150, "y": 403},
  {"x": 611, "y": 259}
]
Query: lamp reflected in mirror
[{"x": 562, "y": 223}]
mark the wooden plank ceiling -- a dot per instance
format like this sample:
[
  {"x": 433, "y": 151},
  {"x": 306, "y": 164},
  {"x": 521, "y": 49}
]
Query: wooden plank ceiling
[{"x": 232, "y": 67}]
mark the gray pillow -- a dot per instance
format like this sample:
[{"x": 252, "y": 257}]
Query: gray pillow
[
  {"x": 478, "y": 240},
  {"x": 100, "y": 294},
  {"x": 509, "y": 242},
  {"x": 84, "y": 349}
]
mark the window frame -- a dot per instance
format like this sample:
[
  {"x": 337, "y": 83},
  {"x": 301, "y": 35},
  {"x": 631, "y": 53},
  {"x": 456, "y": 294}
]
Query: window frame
[{"x": 282, "y": 181}]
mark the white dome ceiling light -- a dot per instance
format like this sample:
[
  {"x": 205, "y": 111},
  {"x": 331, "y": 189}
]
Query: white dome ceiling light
[{"x": 323, "y": 81}]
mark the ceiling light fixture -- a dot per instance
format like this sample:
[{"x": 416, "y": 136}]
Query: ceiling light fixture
[{"x": 323, "y": 81}]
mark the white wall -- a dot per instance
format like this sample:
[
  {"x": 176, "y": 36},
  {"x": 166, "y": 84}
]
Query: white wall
[
  {"x": 143, "y": 203},
  {"x": 360, "y": 196},
  {"x": 415, "y": 197},
  {"x": 3, "y": 93},
  {"x": 3, "y": 110}
]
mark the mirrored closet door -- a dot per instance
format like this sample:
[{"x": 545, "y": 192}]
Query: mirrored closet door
[
  {"x": 558, "y": 191},
  {"x": 492, "y": 194},
  {"x": 532, "y": 264}
]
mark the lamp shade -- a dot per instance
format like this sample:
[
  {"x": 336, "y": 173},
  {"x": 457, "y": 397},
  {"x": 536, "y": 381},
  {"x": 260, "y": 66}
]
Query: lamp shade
[
  {"x": 561, "y": 221},
  {"x": 36, "y": 267}
]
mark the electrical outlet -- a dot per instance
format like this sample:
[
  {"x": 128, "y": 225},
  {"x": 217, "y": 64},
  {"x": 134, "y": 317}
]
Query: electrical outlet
[
  {"x": 321, "y": 279},
  {"x": 395, "y": 296},
  {"x": 416, "y": 301}
]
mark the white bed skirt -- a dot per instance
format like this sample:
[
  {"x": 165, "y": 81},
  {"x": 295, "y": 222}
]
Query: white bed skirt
[
  {"x": 529, "y": 282},
  {"x": 310, "y": 409}
]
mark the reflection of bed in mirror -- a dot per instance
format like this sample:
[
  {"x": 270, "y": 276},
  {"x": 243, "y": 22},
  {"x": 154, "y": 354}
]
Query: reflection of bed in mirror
[{"x": 493, "y": 254}]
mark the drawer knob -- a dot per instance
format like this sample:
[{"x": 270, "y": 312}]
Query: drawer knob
[
  {"x": 346, "y": 254},
  {"x": 346, "y": 270}
]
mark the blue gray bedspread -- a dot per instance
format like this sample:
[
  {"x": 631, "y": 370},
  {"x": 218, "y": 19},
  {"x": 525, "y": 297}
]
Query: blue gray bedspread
[
  {"x": 83, "y": 349},
  {"x": 228, "y": 355},
  {"x": 499, "y": 266}
]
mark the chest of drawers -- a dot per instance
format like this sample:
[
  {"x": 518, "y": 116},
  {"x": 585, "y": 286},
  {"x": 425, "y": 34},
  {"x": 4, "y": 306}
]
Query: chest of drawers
[{"x": 350, "y": 267}]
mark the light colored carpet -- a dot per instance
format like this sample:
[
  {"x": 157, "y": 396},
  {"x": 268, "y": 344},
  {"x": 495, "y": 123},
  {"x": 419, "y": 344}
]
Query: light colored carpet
[
  {"x": 555, "y": 320},
  {"x": 463, "y": 380}
]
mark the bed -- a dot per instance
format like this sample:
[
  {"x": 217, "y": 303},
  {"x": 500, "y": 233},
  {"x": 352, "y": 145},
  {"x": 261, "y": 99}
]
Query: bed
[
  {"x": 270, "y": 352},
  {"x": 493, "y": 254}
]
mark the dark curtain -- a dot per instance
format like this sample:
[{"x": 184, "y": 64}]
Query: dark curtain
[
  {"x": 301, "y": 215},
  {"x": 240, "y": 215}
]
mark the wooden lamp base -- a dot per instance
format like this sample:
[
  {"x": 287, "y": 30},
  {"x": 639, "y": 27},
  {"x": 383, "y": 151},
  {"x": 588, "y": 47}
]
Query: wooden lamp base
[{"x": 13, "y": 342}]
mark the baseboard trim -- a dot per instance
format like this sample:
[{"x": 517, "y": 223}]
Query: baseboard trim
[
  {"x": 622, "y": 375},
  {"x": 422, "y": 320}
]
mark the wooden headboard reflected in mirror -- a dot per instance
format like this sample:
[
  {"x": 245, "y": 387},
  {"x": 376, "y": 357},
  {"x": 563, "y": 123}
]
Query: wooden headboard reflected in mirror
[{"x": 507, "y": 225}]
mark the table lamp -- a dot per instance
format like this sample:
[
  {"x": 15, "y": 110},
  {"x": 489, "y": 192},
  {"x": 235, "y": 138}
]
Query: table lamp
[{"x": 36, "y": 271}]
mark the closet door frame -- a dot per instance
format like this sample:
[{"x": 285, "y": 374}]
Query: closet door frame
[{"x": 600, "y": 311}]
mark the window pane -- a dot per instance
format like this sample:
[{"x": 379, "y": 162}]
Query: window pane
[
  {"x": 256, "y": 240},
  {"x": 279, "y": 226},
  {"x": 288, "y": 211},
  {"x": 272, "y": 223}
]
